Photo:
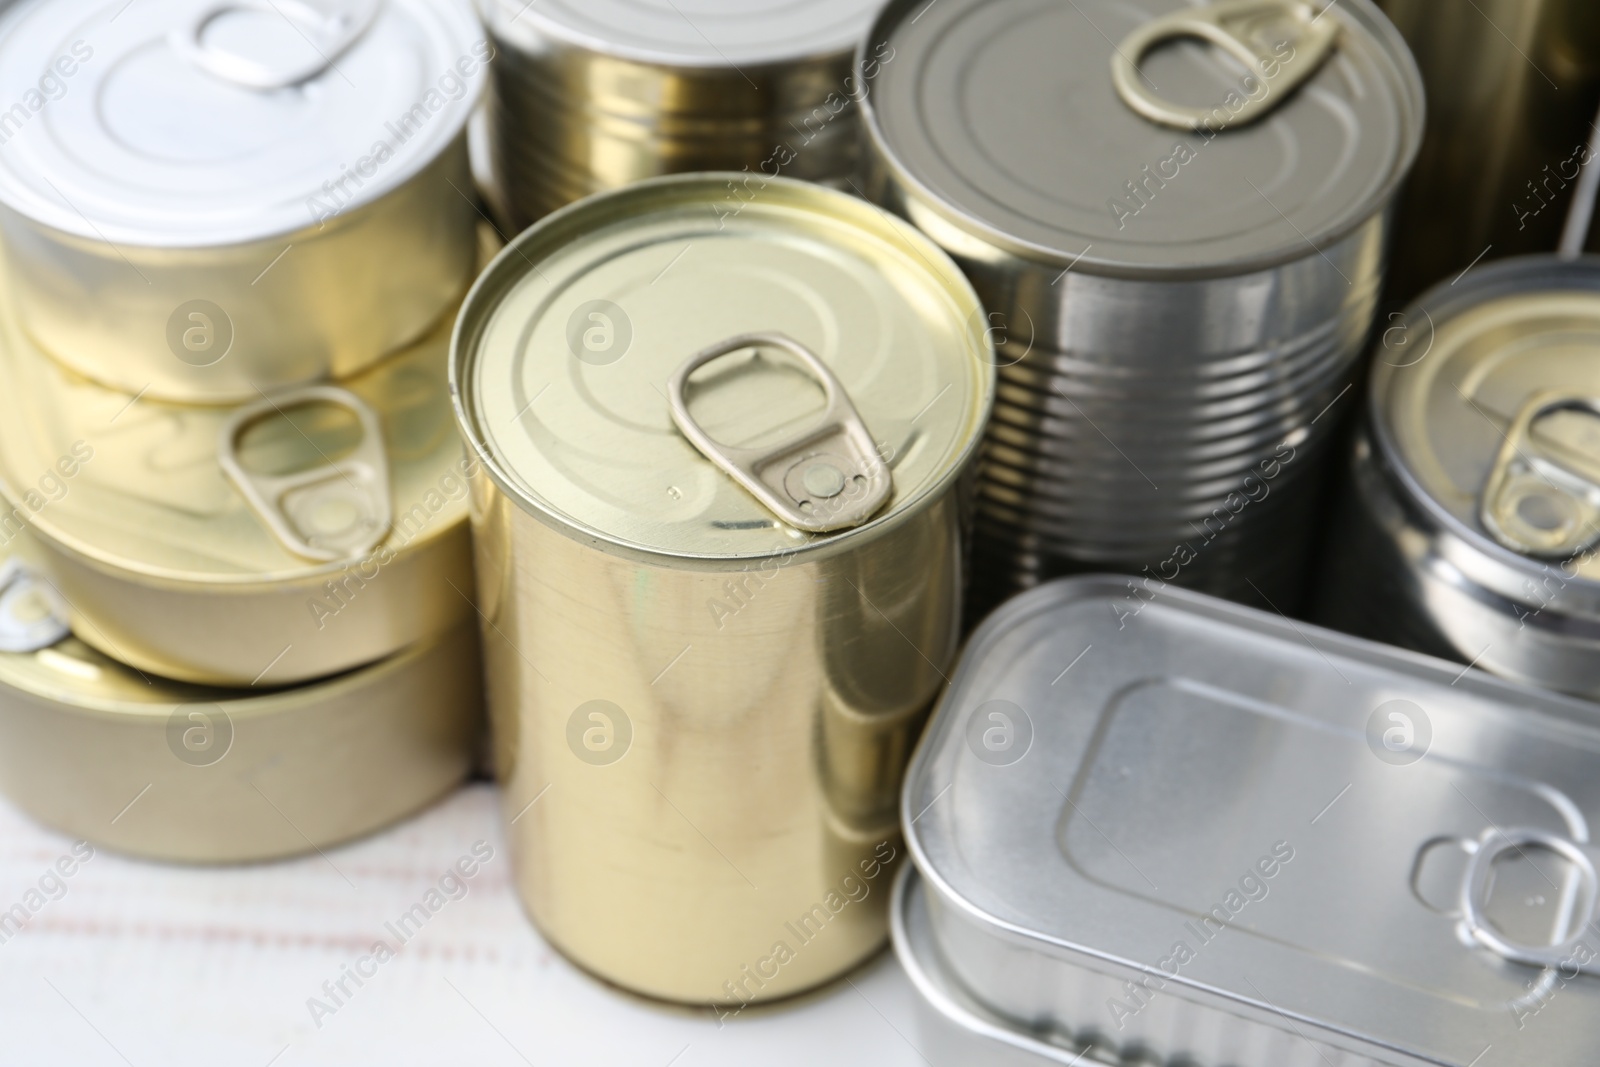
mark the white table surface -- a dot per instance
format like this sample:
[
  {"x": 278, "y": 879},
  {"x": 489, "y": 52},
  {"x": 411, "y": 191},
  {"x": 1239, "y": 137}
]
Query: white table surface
[{"x": 143, "y": 965}]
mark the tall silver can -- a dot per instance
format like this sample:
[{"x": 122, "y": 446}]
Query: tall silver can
[
  {"x": 590, "y": 96},
  {"x": 720, "y": 533},
  {"x": 1212, "y": 836},
  {"x": 205, "y": 201},
  {"x": 1472, "y": 525},
  {"x": 1178, "y": 294}
]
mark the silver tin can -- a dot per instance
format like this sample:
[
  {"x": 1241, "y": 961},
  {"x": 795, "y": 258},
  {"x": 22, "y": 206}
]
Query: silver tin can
[
  {"x": 1472, "y": 528},
  {"x": 200, "y": 201},
  {"x": 590, "y": 96},
  {"x": 1205, "y": 834},
  {"x": 1178, "y": 300}
]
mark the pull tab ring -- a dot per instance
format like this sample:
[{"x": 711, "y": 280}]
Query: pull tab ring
[
  {"x": 332, "y": 34},
  {"x": 32, "y": 615},
  {"x": 827, "y": 478},
  {"x": 1532, "y": 503},
  {"x": 337, "y": 511},
  {"x": 1478, "y": 882},
  {"x": 1218, "y": 24}
]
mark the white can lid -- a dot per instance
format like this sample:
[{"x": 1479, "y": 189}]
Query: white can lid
[{"x": 187, "y": 123}]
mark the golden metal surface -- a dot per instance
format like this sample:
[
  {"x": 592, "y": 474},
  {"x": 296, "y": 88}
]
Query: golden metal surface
[
  {"x": 194, "y": 774},
  {"x": 701, "y": 717},
  {"x": 1512, "y": 87},
  {"x": 167, "y": 567}
]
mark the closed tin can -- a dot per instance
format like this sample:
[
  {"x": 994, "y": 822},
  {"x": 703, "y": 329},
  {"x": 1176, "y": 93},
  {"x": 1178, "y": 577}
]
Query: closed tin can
[
  {"x": 1472, "y": 525},
  {"x": 1221, "y": 838},
  {"x": 717, "y": 601},
  {"x": 1179, "y": 293},
  {"x": 591, "y": 96},
  {"x": 198, "y": 774},
  {"x": 1512, "y": 90},
  {"x": 310, "y": 532},
  {"x": 219, "y": 199}
]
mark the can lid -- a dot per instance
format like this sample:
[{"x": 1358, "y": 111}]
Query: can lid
[
  {"x": 1006, "y": 115},
  {"x": 567, "y": 352},
  {"x": 137, "y": 486},
  {"x": 1114, "y": 779},
  {"x": 1486, "y": 402},
  {"x": 191, "y": 123},
  {"x": 705, "y": 33}
]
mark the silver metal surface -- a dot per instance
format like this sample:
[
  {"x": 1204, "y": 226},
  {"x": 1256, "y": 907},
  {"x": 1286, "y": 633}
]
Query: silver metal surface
[
  {"x": 31, "y": 615},
  {"x": 1178, "y": 830},
  {"x": 593, "y": 94},
  {"x": 1474, "y": 509},
  {"x": 1176, "y": 313},
  {"x": 174, "y": 232},
  {"x": 829, "y": 477}
]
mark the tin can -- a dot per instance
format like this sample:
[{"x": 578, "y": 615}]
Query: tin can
[
  {"x": 1220, "y": 837},
  {"x": 1512, "y": 88},
  {"x": 718, "y": 602},
  {"x": 1178, "y": 295},
  {"x": 1472, "y": 527},
  {"x": 197, "y": 774},
  {"x": 591, "y": 96},
  {"x": 219, "y": 199},
  {"x": 310, "y": 532}
]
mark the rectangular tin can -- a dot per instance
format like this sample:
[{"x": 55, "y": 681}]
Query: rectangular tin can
[
  {"x": 701, "y": 711},
  {"x": 1205, "y": 834},
  {"x": 200, "y": 774}
]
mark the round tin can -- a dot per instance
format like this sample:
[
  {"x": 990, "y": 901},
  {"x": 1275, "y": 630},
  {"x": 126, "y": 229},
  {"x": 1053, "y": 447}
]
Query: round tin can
[
  {"x": 1178, "y": 293},
  {"x": 196, "y": 774},
  {"x": 202, "y": 200},
  {"x": 590, "y": 96},
  {"x": 1473, "y": 528},
  {"x": 305, "y": 534},
  {"x": 720, "y": 533}
]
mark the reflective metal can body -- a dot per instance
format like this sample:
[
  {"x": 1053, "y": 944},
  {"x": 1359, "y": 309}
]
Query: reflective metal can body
[
  {"x": 1473, "y": 518},
  {"x": 174, "y": 231},
  {"x": 1177, "y": 309},
  {"x": 192, "y": 774},
  {"x": 700, "y": 712},
  {"x": 1206, "y": 835},
  {"x": 167, "y": 566},
  {"x": 590, "y": 97}
]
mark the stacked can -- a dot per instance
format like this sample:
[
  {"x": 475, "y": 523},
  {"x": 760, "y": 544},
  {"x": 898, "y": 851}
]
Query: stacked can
[
  {"x": 719, "y": 534},
  {"x": 593, "y": 95},
  {"x": 1473, "y": 528},
  {"x": 1178, "y": 294},
  {"x": 234, "y": 614}
]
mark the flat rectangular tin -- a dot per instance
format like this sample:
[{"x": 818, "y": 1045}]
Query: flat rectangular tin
[{"x": 1157, "y": 751}]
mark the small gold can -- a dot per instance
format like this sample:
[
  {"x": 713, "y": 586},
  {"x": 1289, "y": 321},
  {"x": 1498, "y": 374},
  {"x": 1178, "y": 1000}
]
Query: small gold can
[
  {"x": 307, "y": 533},
  {"x": 198, "y": 774},
  {"x": 720, "y": 531}
]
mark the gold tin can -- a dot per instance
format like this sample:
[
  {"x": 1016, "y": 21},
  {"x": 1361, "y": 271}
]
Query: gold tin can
[
  {"x": 281, "y": 554},
  {"x": 194, "y": 774},
  {"x": 719, "y": 599}
]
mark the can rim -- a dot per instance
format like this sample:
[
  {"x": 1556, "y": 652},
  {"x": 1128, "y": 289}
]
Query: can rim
[
  {"x": 503, "y": 272},
  {"x": 1413, "y": 116},
  {"x": 770, "y": 61},
  {"x": 1488, "y": 282},
  {"x": 240, "y": 702}
]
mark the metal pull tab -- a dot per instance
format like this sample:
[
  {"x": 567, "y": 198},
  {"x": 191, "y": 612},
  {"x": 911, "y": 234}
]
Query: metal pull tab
[
  {"x": 32, "y": 616},
  {"x": 1570, "y": 951},
  {"x": 828, "y": 478},
  {"x": 331, "y": 34},
  {"x": 1536, "y": 504},
  {"x": 340, "y": 510},
  {"x": 1231, "y": 26}
]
